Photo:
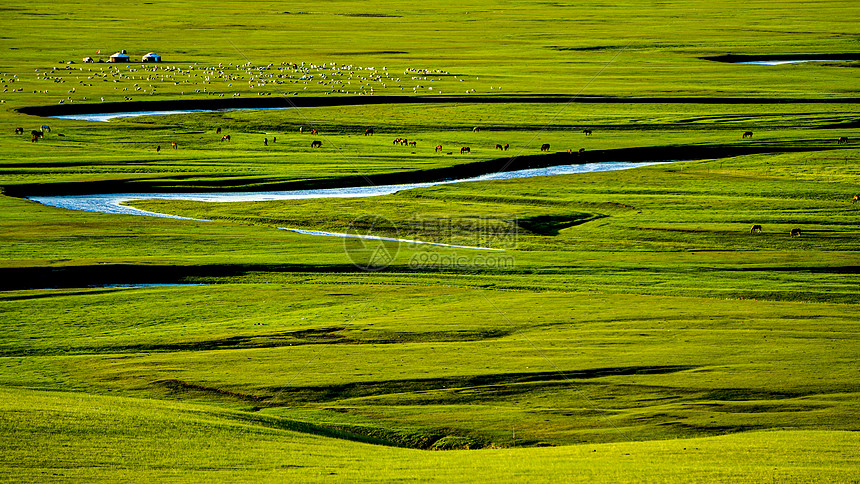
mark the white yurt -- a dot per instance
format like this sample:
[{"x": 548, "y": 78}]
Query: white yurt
[
  {"x": 151, "y": 57},
  {"x": 119, "y": 57}
]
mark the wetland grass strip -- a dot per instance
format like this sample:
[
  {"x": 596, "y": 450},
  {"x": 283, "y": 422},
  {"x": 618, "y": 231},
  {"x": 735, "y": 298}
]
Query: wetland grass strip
[
  {"x": 69, "y": 110},
  {"x": 454, "y": 174}
]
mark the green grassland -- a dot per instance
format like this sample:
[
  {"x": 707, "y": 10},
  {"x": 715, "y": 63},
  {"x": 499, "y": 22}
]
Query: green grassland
[{"x": 631, "y": 328}]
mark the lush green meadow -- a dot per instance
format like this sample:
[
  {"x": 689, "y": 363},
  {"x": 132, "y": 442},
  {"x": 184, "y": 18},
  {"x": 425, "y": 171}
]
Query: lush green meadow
[{"x": 631, "y": 328}]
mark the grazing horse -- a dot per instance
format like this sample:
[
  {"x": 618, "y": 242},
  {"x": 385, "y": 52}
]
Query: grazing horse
[
  {"x": 301, "y": 129},
  {"x": 226, "y": 137},
  {"x": 581, "y": 151},
  {"x": 316, "y": 144},
  {"x": 587, "y": 132},
  {"x": 499, "y": 147},
  {"x": 36, "y": 134},
  {"x": 45, "y": 128},
  {"x": 314, "y": 131},
  {"x": 438, "y": 148},
  {"x": 368, "y": 132},
  {"x": 218, "y": 131},
  {"x": 465, "y": 149},
  {"x": 412, "y": 143},
  {"x": 755, "y": 229},
  {"x": 855, "y": 199},
  {"x": 794, "y": 233},
  {"x": 747, "y": 134},
  {"x": 842, "y": 139},
  {"x": 476, "y": 129},
  {"x": 158, "y": 148},
  {"x": 19, "y": 130},
  {"x": 544, "y": 147},
  {"x": 174, "y": 146},
  {"x": 506, "y": 146}
]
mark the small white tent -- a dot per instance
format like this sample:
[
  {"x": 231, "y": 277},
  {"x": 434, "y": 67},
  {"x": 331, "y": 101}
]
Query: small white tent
[
  {"x": 151, "y": 57},
  {"x": 119, "y": 57}
]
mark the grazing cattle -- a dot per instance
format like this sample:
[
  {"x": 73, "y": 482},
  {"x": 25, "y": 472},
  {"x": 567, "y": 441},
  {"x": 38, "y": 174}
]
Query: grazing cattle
[
  {"x": 506, "y": 146},
  {"x": 45, "y": 128},
  {"x": 218, "y": 131},
  {"x": 842, "y": 139},
  {"x": 499, "y": 147},
  {"x": 226, "y": 137},
  {"x": 19, "y": 130},
  {"x": 476, "y": 129},
  {"x": 412, "y": 143},
  {"x": 368, "y": 132},
  {"x": 465, "y": 149},
  {"x": 855, "y": 199},
  {"x": 544, "y": 147},
  {"x": 316, "y": 144},
  {"x": 438, "y": 148},
  {"x": 747, "y": 134},
  {"x": 587, "y": 132},
  {"x": 794, "y": 233},
  {"x": 755, "y": 229},
  {"x": 174, "y": 146}
]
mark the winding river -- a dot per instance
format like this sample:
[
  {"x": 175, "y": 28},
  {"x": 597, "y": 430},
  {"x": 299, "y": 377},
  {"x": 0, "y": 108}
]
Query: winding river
[{"x": 115, "y": 203}]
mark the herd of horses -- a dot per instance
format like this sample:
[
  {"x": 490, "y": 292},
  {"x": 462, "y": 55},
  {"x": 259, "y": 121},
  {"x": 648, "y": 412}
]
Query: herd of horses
[{"x": 795, "y": 232}]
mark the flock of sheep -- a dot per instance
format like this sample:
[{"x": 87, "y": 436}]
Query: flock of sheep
[{"x": 286, "y": 78}]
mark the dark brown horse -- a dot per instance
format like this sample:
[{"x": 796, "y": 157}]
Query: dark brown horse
[
  {"x": 465, "y": 149},
  {"x": 506, "y": 146},
  {"x": 218, "y": 131},
  {"x": 544, "y": 147},
  {"x": 499, "y": 147},
  {"x": 747, "y": 134},
  {"x": 841, "y": 140},
  {"x": 19, "y": 130},
  {"x": 794, "y": 233},
  {"x": 316, "y": 144},
  {"x": 587, "y": 132},
  {"x": 368, "y": 132},
  {"x": 755, "y": 229}
]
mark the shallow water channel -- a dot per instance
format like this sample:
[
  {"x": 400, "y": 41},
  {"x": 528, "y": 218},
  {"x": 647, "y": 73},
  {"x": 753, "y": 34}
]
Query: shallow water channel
[{"x": 115, "y": 202}]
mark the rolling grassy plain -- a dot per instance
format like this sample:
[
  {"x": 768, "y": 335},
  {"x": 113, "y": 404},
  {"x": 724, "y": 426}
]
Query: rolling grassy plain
[{"x": 631, "y": 329}]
